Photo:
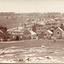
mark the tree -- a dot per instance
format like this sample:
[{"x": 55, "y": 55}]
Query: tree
[{"x": 62, "y": 26}]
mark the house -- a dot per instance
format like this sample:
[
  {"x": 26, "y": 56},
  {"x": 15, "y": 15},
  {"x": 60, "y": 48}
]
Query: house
[
  {"x": 18, "y": 28},
  {"x": 26, "y": 34},
  {"x": 22, "y": 32},
  {"x": 48, "y": 34},
  {"x": 28, "y": 26},
  {"x": 16, "y": 32},
  {"x": 59, "y": 33},
  {"x": 33, "y": 34},
  {"x": 39, "y": 28},
  {"x": 29, "y": 34},
  {"x": 44, "y": 30}
]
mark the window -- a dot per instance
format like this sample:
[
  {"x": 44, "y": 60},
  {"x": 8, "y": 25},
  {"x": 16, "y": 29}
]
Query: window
[{"x": 57, "y": 32}]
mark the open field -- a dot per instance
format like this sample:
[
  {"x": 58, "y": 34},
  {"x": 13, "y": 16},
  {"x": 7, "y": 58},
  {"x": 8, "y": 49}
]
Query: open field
[{"x": 32, "y": 51}]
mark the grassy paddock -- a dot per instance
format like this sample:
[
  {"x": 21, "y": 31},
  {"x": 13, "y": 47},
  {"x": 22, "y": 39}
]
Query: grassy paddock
[{"x": 33, "y": 43}]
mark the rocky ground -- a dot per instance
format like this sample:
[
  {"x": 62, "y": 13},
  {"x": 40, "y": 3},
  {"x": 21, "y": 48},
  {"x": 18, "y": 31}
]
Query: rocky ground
[{"x": 33, "y": 51}]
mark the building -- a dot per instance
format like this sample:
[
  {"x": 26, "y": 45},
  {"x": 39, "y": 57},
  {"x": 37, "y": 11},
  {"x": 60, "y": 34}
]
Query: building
[
  {"x": 29, "y": 34},
  {"x": 48, "y": 34},
  {"x": 3, "y": 33},
  {"x": 59, "y": 33},
  {"x": 33, "y": 34},
  {"x": 16, "y": 32},
  {"x": 26, "y": 35},
  {"x": 39, "y": 28}
]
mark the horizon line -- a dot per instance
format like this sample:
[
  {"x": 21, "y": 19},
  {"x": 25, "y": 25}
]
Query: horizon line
[{"x": 29, "y": 12}]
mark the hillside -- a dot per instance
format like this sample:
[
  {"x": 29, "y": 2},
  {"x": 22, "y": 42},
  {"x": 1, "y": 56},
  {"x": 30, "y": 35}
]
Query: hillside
[{"x": 11, "y": 20}]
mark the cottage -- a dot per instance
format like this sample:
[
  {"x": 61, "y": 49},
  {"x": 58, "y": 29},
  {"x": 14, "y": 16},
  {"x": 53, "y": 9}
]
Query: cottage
[{"x": 59, "y": 33}]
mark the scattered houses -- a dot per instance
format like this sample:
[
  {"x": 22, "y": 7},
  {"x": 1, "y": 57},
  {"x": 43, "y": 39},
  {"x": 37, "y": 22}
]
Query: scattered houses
[{"x": 37, "y": 29}]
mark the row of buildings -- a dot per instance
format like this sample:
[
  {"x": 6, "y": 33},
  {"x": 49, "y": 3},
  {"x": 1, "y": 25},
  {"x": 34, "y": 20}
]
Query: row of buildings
[
  {"x": 33, "y": 30},
  {"x": 37, "y": 30}
]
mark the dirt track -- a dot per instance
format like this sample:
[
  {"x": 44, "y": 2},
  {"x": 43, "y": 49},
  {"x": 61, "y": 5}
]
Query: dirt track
[{"x": 43, "y": 51}]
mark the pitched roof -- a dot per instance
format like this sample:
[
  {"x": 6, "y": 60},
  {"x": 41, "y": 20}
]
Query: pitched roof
[
  {"x": 32, "y": 32},
  {"x": 49, "y": 31},
  {"x": 1, "y": 31},
  {"x": 40, "y": 23},
  {"x": 16, "y": 29},
  {"x": 26, "y": 32},
  {"x": 4, "y": 33},
  {"x": 60, "y": 29}
]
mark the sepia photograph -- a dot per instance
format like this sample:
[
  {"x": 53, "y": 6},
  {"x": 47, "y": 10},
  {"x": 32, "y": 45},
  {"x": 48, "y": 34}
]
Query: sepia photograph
[{"x": 31, "y": 31}]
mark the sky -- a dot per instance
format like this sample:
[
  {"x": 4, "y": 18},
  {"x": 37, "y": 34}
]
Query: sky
[{"x": 30, "y": 6}]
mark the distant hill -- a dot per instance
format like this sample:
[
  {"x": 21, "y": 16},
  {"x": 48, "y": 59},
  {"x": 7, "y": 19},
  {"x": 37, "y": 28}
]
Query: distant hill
[{"x": 12, "y": 19}]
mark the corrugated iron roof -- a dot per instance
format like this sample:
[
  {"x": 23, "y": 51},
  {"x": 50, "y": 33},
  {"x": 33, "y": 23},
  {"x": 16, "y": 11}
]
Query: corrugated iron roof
[
  {"x": 50, "y": 31},
  {"x": 15, "y": 29},
  {"x": 32, "y": 32}
]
